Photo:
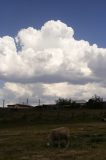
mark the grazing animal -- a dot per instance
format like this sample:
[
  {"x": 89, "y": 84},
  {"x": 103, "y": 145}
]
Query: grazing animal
[{"x": 59, "y": 137}]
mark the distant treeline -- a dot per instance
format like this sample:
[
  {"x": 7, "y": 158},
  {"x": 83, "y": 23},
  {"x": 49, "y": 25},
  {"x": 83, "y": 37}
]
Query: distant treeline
[{"x": 95, "y": 102}]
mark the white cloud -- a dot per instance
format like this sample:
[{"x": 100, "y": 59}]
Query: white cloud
[
  {"x": 17, "y": 92},
  {"x": 49, "y": 51},
  {"x": 52, "y": 58},
  {"x": 74, "y": 91}
]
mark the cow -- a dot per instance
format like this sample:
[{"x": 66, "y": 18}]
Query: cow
[{"x": 59, "y": 137}]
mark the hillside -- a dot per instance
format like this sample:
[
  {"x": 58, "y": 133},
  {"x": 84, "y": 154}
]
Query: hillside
[{"x": 63, "y": 115}]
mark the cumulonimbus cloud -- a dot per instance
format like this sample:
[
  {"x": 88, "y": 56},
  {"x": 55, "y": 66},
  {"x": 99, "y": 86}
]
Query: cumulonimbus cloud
[
  {"x": 50, "y": 52},
  {"x": 51, "y": 58}
]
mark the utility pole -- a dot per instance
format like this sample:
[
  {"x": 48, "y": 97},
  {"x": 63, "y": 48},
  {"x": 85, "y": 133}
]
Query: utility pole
[{"x": 27, "y": 100}]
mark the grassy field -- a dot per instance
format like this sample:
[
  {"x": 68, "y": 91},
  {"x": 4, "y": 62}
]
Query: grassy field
[{"x": 23, "y": 135}]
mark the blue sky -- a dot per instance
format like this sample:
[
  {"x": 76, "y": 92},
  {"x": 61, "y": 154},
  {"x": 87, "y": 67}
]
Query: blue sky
[{"x": 87, "y": 17}]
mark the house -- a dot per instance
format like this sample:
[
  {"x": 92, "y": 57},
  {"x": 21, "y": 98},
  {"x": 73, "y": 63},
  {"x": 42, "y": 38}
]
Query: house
[
  {"x": 81, "y": 102},
  {"x": 19, "y": 106}
]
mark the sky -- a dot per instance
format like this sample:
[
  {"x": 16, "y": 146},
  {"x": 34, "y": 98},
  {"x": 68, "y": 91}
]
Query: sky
[{"x": 51, "y": 49}]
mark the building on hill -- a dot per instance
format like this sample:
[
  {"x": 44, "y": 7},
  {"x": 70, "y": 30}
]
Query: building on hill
[
  {"x": 81, "y": 102},
  {"x": 19, "y": 106}
]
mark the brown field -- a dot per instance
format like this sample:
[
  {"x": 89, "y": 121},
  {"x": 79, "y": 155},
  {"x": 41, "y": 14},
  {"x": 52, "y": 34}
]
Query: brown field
[{"x": 26, "y": 140}]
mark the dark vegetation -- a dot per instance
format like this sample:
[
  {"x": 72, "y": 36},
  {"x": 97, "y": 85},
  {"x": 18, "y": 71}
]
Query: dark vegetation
[
  {"x": 94, "y": 102},
  {"x": 43, "y": 116}
]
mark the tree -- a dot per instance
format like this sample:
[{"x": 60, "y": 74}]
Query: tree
[
  {"x": 95, "y": 102},
  {"x": 63, "y": 101}
]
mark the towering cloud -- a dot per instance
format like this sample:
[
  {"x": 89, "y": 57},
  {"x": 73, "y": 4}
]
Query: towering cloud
[{"x": 52, "y": 59}]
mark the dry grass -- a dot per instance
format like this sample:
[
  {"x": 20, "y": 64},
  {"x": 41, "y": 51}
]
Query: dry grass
[
  {"x": 23, "y": 134},
  {"x": 88, "y": 141}
]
